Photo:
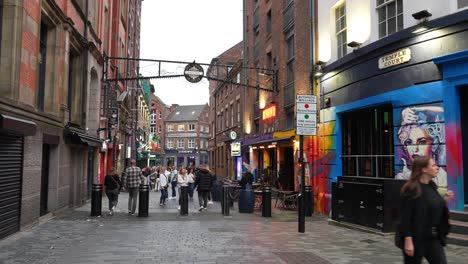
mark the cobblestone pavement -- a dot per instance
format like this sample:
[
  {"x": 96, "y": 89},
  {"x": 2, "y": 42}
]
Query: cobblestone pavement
[{"x": 200, "y": 237}]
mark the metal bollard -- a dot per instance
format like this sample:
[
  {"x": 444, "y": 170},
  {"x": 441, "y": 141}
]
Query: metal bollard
[
  {"x": 143, "y": 201},
  {"x": 225, "y": 201},
  {"x": 308, "y": 200},
  {"x": 183, "y": 200},
  {"x": 96, "y": 200},
  {"x": 266, "y": 201}
]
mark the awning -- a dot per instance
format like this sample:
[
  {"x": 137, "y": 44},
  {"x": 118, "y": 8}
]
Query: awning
[
  {"x": 81, "y": 138},
  {"x": 272, "y": 141},
  {"x": 17, "y": 125}
]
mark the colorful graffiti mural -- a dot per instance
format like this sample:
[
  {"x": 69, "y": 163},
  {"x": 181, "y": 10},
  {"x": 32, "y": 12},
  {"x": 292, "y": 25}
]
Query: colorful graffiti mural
[{"x": 420, "y": 132}]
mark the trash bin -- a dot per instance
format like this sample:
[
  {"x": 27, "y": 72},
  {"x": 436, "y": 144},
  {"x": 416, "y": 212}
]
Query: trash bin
[
  {"x": 183, "y": 200},
  {"x": 266, "y": 201},
  {"x": 246, "y": 201},
  {"x": 308, "y": 201},
  {"x": 96, "y": 200},
  {"x": 143, "y": 201}
]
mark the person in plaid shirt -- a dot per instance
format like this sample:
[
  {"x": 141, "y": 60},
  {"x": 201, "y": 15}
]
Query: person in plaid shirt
[{"x": 132, "y": 179}]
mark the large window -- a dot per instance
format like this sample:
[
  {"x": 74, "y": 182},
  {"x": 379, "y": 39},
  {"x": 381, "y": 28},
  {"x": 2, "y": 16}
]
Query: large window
[
  {"x": 180, "y": 143},
  {"x": 170, "y": 128},
  {"x": 191, "y": 127},
  {"x": 340, "y": 24},
  {"x": 368, "y": 142},
  {"x": 170, "y": 143},
  {"x": 390, "y": 14},
  {"x": 181, "y": 127},
  {"x": 191, "y": 143}
]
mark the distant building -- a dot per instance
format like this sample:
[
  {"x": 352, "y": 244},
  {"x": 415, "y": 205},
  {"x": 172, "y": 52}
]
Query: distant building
[
  {"x": 159, "y": 113},
  {"x": 186, "y": 134}
]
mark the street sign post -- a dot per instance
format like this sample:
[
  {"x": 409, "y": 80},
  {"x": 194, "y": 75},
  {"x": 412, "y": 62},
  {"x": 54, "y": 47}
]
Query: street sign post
[
  {"x": 306, "y": 124},
  {"x": 306, "y": 114}
]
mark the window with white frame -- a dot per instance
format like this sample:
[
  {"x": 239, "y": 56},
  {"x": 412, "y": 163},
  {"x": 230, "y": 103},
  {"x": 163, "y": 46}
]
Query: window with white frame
[
  {"x": 207, "y": 129},
  {"x": 170, "y": 143},
  {"x": 180, "y": 143},
  {"x": 191, "y": 143},
  {"x": 340, "y": 23},
  {"x": 180, "y": 127},
  {"x": 170, "y": 128},
  {"x": 390, "y": 14},
  {"x": 191, "y": 127},
  {"x": 152, "y": 129}
]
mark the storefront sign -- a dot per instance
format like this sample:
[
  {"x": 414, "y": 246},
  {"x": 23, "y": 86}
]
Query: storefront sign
[
  {"x": 395, "y": 58},
  {"x": 269, "y": 112},
  {"x": 235, "y": 149},
  {"x": 193, "y": 72},
  {"x": 306, "y": 114}
]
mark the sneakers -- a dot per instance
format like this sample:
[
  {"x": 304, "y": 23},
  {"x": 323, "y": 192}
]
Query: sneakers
[
  {"x": 205, "y": 209},
  {"x": 160, "y": 204},
  {"x": 210, "y": 202},
  {"x": 178, "y": 208},
  {"x": 111, "y": 211},
  {"x": 200, "y": 209}
]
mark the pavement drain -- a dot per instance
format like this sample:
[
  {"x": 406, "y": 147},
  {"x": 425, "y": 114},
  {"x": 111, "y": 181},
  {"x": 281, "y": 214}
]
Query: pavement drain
[
  {"x": 369, "y": 241},
  {"x": 301, "y": 257}
]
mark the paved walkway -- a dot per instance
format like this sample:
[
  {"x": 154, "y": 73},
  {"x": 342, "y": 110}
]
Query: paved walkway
[{"x": 200, "y": 237}]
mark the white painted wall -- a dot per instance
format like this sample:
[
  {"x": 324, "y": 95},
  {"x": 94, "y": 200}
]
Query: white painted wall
[{"x": 362, "y": 21}]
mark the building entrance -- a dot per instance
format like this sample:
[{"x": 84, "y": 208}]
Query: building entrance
[{"x": 464, "y": 130}]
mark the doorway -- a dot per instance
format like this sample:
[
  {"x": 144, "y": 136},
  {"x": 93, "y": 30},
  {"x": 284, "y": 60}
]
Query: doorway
[
  {"x": 464, "y": 132},
  {"x": 45, "y": 179}
]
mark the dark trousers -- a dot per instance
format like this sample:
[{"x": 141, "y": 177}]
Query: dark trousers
[
  {"x": 162, "y": 200},
  {"x": 190, "y": 189},
  {"x": 174, "y": 185},
  {"x": 203, "y": 198},
  {"x": 113, "y": 196},
  {"x": 431, "y": 249}
]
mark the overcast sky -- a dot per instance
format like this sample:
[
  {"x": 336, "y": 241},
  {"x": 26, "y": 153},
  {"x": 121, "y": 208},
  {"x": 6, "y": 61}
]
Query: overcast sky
[{"x": 186, "y": 30}]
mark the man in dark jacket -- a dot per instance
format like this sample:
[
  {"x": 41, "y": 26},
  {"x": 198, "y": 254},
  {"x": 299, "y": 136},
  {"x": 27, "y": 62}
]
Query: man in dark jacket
[
  {"x": 204, "y": 183},
  {"x": 247, "y": 178}
]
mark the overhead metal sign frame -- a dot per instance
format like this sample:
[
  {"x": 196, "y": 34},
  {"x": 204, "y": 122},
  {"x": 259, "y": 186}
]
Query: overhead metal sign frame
[{"x": 193, "y": 72}]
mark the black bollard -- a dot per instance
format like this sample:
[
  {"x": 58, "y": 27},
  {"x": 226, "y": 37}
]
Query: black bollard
[
  {"x": 225, "y": 201},
  {"x": 96, "y": 200},
  {"x": 143, "y": 200},
  {"x": 266, "y": 201},
  {"x": 309, "y": 201},
  {"x": 183, "y": 200}
]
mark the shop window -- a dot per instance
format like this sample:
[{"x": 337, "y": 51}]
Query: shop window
[
  {"x": 390, "y": 14},
  {"x": 368, "y": 142}
]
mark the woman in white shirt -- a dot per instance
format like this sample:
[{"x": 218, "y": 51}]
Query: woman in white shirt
[
  {"x": 163, "y": 188},
  {"x": 191, "y": 182},
  {"x": 182, "y": 180}
]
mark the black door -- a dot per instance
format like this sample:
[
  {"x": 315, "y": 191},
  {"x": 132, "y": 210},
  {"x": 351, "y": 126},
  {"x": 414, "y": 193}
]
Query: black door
[
  {"x": 45, "y": 178},
  {"x": 11, "y": 173},
  {"x": 464, "y": 127}
]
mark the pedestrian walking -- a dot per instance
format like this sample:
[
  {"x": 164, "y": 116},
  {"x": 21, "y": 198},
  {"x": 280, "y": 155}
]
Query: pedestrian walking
[
  {"x": 133, "y": 179},
  {"x": 191, "y": 182},
  {"x": 173, "y": 180},
  {"x": 424, "y": 215},
  {"x": 112, "y": 183},
  {"x": 204, "y": 183},
  {"x": 247, "y": 178},
  {"x": 182, "y": 180},
  {"x": 163, "y": 187}
]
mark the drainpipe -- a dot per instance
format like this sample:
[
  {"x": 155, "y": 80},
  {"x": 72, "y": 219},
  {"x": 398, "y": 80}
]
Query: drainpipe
[{"x": 85, "y": 68}]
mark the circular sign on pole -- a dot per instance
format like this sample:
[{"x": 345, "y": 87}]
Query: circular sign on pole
[
  {"x": 139, "y": 150},
  {"x": 193, "y": 72}
]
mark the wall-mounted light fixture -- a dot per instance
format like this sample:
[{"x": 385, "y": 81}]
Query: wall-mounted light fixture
[
  {"x": 422, "y": 16},
  {"x": 327, "y": 101},
  {"x": 354, "y": 44},
  {"x": 318, "y": 68}
]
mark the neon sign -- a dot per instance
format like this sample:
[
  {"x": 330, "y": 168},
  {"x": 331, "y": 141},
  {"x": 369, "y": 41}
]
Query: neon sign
[{"x": 269, "y": 112}]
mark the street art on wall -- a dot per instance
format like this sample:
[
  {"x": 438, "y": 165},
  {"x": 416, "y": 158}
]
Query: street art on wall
[{"x": 420, "y": 132}]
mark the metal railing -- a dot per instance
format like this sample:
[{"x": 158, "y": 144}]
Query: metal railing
[{"x": 368, "y": 165}]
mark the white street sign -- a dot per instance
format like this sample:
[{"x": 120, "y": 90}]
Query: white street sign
[{"x": 306, "y": 114}]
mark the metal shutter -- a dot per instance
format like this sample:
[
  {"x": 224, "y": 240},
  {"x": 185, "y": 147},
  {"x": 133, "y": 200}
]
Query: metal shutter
[{"x": 11, "y": 166}]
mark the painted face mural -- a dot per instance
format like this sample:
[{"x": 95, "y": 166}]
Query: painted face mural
[{"x": 421, "y": 134}]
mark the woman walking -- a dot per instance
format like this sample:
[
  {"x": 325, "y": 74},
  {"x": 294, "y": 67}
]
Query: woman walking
[
  {"x": 182, "y": 180},
  {"x": 112, "y": 183},
  {"x": 191, "y": 182},
  {"x": 163, "y": 187},
  {"x": 424, "y": 215}
]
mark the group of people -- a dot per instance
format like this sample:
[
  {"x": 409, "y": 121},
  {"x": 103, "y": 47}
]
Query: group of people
[{"x": 159, "y": 179}]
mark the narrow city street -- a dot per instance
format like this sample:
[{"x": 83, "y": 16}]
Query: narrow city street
[{"x": 200, "y": 237}]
